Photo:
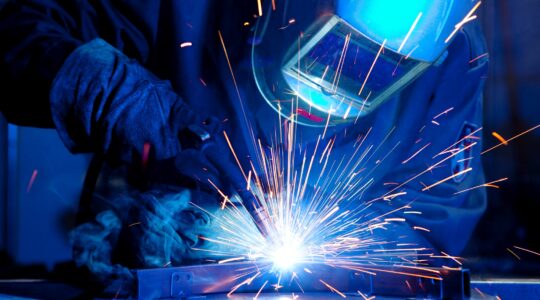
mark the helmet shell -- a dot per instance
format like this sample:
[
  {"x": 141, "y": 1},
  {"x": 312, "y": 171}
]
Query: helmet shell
[{"x": 419, "y": 28}]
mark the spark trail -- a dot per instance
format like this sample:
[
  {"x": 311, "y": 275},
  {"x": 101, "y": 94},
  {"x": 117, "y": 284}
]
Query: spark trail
[{"x": 315, "y": 199}]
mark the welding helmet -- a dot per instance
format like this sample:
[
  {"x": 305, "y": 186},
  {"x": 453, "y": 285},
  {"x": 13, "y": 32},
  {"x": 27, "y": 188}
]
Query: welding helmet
[{"x": 331, "y": 62}]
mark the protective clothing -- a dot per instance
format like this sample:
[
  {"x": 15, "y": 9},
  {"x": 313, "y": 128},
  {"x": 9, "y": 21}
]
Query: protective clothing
[
  {"x": 101, "y": 102},
  {"x": 339, "y": 60},
  {"x": 405, "y": 136}
]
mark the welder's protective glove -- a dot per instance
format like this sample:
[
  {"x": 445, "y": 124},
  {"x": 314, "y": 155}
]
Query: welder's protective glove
[
  {"x": 207, "y": 158},
  {"x": 104, "y": 102}
]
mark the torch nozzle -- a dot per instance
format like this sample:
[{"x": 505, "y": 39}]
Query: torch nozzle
[{"x": 257, "y": 212}]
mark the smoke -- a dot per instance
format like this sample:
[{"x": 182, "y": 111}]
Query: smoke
[{"x": 155, "y": 229}]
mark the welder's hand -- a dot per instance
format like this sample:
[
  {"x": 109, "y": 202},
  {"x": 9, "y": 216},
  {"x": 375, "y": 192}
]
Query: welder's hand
[
  {"x": 193, "y": 162},
  {"x": 103, "y": 102}
]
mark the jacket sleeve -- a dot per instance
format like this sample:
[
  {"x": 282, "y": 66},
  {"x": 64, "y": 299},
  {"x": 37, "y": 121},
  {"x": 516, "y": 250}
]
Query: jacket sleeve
[
  {"x": 78, "y": 65},
  {"x": 441, "y": 174},
  {"x": 37, "y": 37}
]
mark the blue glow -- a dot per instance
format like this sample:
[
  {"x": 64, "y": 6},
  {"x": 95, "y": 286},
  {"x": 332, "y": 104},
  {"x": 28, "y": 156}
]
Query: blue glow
[
  {"x": 421, "y": 28},
  {"x": 389, "y": 19}
]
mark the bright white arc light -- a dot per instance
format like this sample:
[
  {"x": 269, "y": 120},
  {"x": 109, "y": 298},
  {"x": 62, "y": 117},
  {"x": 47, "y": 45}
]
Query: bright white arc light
[{"x": 286, "y": 256}]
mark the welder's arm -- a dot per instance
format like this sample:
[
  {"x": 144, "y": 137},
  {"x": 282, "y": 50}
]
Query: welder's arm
[
  {"x": 36, "y": 36},
  {"x": 451, "y": 209},
  {"x": 103, "y": 101},
  {"x": 100, "y": 100}
]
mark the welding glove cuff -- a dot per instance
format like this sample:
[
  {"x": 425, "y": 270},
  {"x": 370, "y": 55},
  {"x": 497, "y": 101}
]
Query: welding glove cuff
[{"x": 102, "y": 101}]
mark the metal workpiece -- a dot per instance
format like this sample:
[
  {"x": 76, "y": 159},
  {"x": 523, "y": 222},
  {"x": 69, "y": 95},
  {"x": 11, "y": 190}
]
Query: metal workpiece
[{"x": 251, "y": 279}]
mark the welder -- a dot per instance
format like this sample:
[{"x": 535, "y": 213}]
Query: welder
[{"x": 145, "y": 84}]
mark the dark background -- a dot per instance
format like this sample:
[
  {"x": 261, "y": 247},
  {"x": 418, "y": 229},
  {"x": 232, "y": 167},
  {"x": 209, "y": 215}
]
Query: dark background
[
  {"x": 34, "y": 223},
  {"x": 512, "y": 105}
]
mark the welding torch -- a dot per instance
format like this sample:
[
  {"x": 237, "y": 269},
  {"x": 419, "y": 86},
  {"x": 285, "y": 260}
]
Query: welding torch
[{"x": 200, "y": 139}]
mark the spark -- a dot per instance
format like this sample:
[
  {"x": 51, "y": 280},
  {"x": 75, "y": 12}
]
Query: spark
[
  {"x": 31, "y": 181},
  {"x": 513, "y": 253},
  {"x": 511, "y": 139},
  {"x": 527, "y": 250},
  {"x": 452, "y": 258},
  {"x": 443, "y": 113},
  {"x": 231, "y": 260},
  {"x": 390, "y": 197},
  {"x": 365, "y": 297},
  {"x": 331, "y": 288},
  {"x": 416, "y": 153},
  {"x": 500, "y": 138},
  {"x": 489, "y": 184},
  {"x": 395, "y": 220},
  {"x": 469, "y": 17},
  {"x": 478, "y": 57},
  {"x": 134, "y": 224},
  {"x": 421, "y": 228},
  {"x": 410, "y": 32},
  {"x": 225, "y": 197},
  {"x": 371, "y": 68},
  {"x": 259, "y": 8},
  {"x": 245, "y": 282},
  {"x": 186, "y": 44},
  {"x": 314, "y": 197},
  {"x": 480, "y": 292},
  {"x": 446, "y": 179},
  {"x": 260, "y": 290}
]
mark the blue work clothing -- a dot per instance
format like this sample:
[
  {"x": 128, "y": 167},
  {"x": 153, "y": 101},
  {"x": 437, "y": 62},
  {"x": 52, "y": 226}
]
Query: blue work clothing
[{"x": 81, "y": 50}]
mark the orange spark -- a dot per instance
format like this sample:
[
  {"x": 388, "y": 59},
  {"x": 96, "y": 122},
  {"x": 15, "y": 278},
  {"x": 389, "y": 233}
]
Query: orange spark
[
  {"x": 333, "y": 289},
  {"x": 511, "y": 139},
  {"x": 225, "y": 197},
  {"x": 500, "y": 138},
  {"x": 489, "y": 184}
]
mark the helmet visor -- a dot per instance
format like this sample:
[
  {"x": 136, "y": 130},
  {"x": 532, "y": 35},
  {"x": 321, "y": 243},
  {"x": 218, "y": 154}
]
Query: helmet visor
[
  {"x": 341, "y": 72},
  {"x": 333, "y": 74}
]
